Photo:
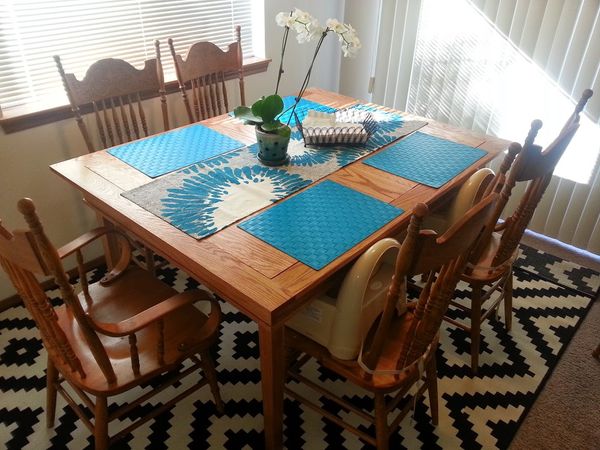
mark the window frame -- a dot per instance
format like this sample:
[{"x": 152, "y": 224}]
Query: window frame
[
  {"x": 32, "y": 114},
  {"x": 26, "y": 117}
]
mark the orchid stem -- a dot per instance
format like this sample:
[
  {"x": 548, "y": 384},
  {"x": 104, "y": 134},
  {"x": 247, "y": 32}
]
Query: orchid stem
[
  {"x": 283, "y": 46},
  {"x": 306, "y": 78}
]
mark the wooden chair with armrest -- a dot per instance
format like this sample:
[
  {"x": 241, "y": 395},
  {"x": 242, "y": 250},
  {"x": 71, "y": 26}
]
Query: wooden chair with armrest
[
  {"x": 115, "y": 89},
  {"x": 203, "y": 72},
  {"x": 115, "y": 335},
  {"x": 397, "y": 350},
  {"x": 490, "y": 264}
]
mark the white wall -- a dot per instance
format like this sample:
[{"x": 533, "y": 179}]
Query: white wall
[
  {"x": 26, "y": 155},
  {"x": 298, "y": 56},
  {"x": 355, "y": 72}
]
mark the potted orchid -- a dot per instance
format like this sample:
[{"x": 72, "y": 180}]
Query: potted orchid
[{"x": 273, "y": 136}]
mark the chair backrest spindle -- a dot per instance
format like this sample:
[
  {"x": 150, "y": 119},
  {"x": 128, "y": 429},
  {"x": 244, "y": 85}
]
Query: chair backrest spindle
[
  {"x": 23, "y": 254},
  {"x": 204, "y": 72},
  {"x": 106, "y": 83},
  {"x": 423, "y": 251}
]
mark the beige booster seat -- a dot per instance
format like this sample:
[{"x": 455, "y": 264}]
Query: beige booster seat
[{"x": 340, "y": 324}]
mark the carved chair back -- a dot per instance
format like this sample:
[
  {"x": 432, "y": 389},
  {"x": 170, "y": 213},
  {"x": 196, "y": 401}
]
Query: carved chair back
[
  {"x": 204, "y": 72},
  {"x": 115, "y": 90},
  {"x": 534, "y": 166},
  {"x": 24, "y": 255},
  {"x": 443, "y": 258}
]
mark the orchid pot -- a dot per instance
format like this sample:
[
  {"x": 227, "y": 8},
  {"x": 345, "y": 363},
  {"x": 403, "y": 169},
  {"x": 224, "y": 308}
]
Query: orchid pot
[
  {"x": 272, "y": 148},
  {"x": 272, "y": 136}
]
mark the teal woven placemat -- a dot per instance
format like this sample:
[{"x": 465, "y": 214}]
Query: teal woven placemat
[
  {"x": 426, "y": 159},
  {"x": 302, "y": 109},
  {"x": 321, "y": 223},
  {"x": 175, "y": 149}
]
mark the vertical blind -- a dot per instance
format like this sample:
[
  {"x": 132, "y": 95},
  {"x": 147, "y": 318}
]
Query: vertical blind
[
  {"x": 493, "y": 66},
  {"x": 84, "y": 31}
]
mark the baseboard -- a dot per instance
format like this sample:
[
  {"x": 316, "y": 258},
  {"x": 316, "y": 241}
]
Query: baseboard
[
  {"x": 15, "y": 299},
  {"x": 561, "y": 249}
]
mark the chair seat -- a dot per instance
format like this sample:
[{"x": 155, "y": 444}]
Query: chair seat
[
  {"x": 379, "y": 382},
  {"x": 136, "y": 291},
  {"x": 483, "y": 271}
]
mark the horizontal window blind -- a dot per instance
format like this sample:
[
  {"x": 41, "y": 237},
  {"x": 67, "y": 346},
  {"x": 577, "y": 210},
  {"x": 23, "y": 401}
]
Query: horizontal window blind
[{"x": 84, "y": 31}]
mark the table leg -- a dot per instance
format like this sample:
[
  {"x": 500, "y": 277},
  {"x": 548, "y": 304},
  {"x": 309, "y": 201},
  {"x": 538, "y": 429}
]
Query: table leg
[
  {"x": 109, "y": 244},
  {"x": 272, "y": 364}
]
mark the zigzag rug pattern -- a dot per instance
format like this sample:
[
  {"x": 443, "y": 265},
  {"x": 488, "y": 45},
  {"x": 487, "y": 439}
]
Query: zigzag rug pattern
[{"x": 475, "y": 412}]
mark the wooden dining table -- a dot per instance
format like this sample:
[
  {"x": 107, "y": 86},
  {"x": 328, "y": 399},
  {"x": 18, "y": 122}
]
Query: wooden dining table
[{"x": 261, "y": 281}]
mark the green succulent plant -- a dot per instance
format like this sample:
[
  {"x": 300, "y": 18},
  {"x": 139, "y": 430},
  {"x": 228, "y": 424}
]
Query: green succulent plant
[{"x": 264, "y": 113}]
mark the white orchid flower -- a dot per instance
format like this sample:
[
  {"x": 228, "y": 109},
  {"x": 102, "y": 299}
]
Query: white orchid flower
[
  {"x": 350, "y": 28},
  {"x": 284, "y": 19},
  {"x": 302, "y": 16},
  {"x": 347, "y": 37},
  {"x": 307, "y": 28},
  {"x": 335, "y": 25}
]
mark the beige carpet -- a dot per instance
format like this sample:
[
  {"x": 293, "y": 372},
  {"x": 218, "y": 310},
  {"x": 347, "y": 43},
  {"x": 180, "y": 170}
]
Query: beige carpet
[{"x": 566, "y": 414}]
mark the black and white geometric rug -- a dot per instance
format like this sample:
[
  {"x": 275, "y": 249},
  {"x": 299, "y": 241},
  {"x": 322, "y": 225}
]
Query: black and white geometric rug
[{"x": 551, "y": 297}]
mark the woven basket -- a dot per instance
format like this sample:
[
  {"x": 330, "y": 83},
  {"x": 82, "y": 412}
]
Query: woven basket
[{"x": 328, "y": 136}]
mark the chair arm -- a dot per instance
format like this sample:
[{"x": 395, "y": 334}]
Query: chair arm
[
  {"x": 87, "y": 238},
  {"x": 158, "y": 311},
  {"x": 83, "y": 240}
]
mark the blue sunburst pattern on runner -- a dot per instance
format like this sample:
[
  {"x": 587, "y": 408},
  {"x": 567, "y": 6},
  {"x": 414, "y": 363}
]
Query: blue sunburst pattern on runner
[
  {"x": 389, "y": 126},
  {"x": 301, "y": 155},
  {"x": 220, "y": 160},
  {"x": 196, "y": 207},
  {"x": 311, "y": 157}
]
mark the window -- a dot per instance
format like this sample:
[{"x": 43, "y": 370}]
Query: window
[
  {"x": 84, "y": 31},
  {"x": 495, "y": 65},
  {"x": 467, "y": 73}
]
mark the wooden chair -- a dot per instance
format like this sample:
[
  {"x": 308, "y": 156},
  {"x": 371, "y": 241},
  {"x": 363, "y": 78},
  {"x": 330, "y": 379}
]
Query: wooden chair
[
  {"x": 399, "y": 349},
  {"x": 114, "y": 335},
  {"x": 204, "y": 72},
  {"x": 490, "y": 263},
  {"x": 115, "y": 89}
]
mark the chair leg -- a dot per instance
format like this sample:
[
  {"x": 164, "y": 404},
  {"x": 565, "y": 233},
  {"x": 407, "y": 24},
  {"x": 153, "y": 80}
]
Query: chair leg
[
  {"x": 475, "y": 326},
  {"x": 596, "y": 353},
  {"x": 382, "y": 434},
  {"x": 101, "y": 423},
  {"x": 508, "y": 294},
  {"x": 432, "y": 389},
  {"x": 150, "y": 264},
  {"x": 208, "y": 367},
  {"x": 51, "y": 380}
]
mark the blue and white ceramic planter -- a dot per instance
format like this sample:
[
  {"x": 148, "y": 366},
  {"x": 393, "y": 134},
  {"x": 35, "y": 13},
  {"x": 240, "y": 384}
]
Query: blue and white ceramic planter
[{"x": 272, "y": 148}]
